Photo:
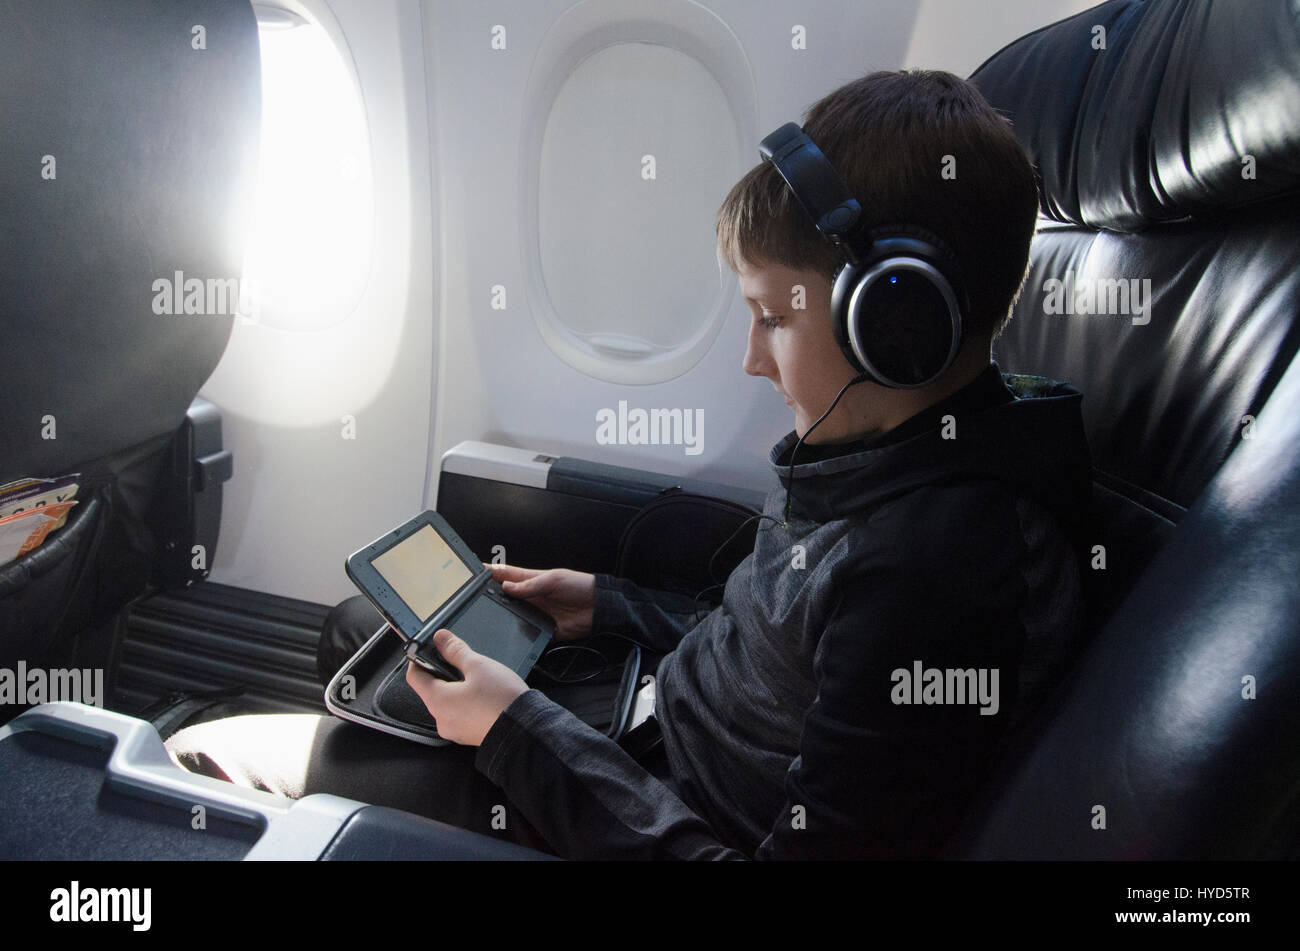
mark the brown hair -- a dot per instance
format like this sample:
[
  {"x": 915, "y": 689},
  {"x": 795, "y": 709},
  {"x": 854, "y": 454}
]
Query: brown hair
[{"x": 887, "y": 134}]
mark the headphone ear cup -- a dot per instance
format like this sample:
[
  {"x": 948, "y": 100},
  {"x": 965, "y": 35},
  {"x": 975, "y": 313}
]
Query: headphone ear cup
[
  {"x": 896, "y": 315},
  {"x": 932, "y": 248},
  {"x": 846, "y": 279}
]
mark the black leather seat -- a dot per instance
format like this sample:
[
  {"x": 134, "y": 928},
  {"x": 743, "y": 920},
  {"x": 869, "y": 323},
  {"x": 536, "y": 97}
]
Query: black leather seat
[
  {"x": 1172, "y": 154},
  {"x": 128, "y": 155}
]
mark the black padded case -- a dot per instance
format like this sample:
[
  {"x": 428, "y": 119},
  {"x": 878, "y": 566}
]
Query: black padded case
[{"x": 371, "y": 689}]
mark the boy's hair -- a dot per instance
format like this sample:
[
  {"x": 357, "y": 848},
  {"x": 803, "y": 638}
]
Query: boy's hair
[{"x": 887, "y": 134}]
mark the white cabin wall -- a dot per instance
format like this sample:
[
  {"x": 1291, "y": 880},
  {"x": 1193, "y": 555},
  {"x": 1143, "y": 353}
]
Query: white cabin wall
[{"x": 498, "y": 381}]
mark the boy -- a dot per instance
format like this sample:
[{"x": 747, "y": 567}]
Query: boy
[{"x": 936, "y": 530}]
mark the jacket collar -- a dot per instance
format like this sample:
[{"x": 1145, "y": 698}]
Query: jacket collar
[{"x": 1021, "y": 430}]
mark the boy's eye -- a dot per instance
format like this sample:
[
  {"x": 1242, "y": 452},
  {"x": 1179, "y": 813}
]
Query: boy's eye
[{"x": 769, "y": 322}]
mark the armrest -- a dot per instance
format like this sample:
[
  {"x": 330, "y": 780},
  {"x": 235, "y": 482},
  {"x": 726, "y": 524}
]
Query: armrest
[
  {"x": 79, "y": 782},
  {"x": 544, "y": 511}
]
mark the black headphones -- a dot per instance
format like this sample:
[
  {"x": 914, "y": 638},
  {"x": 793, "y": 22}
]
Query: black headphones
[{"x": 898, "y": 301}]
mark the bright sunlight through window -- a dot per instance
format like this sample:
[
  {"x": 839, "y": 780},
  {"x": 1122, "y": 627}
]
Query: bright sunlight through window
[{"x": 309, "y": 252}]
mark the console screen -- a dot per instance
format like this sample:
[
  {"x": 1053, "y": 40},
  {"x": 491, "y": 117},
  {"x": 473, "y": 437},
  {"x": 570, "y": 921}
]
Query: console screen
[{"x": 423, "y": 571}]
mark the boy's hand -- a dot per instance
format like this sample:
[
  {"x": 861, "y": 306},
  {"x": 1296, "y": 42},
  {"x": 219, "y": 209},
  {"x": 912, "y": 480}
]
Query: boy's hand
[
  {"x": 569, "y": 597},
  {"x": 465, "y": 709}
]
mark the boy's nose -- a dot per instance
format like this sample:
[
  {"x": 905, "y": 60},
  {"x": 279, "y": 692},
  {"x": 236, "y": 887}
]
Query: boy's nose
[{"x": 757, "y": 362}]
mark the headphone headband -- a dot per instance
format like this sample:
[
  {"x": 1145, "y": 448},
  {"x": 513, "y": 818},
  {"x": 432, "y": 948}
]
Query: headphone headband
[{"x": 816, "y": 185}]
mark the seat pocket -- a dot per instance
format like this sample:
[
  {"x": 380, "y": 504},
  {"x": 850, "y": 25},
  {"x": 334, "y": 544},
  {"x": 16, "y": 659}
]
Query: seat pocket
[{"x": 46, "y": 593}]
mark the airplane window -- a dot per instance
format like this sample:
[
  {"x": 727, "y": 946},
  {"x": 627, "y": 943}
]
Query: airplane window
[
  {"x": 639, "y": 143},
  {"x": 309, "y": 247}
]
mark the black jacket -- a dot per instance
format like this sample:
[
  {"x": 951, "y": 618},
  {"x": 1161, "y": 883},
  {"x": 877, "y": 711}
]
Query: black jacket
[{"x": 830, "y": 706}]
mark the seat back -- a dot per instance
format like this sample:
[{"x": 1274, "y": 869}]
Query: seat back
[
  {"x": 128, "y": 148},
  {"x": 1166, "y": 136}
]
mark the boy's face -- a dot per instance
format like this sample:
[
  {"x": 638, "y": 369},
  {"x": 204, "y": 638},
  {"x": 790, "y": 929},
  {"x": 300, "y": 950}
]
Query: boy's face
[{"x": 794, "y": 348}]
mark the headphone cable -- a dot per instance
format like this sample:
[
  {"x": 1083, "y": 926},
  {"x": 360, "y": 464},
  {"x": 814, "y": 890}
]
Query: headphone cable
[{"x": 789, "y": 487}]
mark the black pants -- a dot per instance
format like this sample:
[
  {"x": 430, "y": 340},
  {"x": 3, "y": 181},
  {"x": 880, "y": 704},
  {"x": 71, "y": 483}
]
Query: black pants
[{"x": 294, "y": 755}]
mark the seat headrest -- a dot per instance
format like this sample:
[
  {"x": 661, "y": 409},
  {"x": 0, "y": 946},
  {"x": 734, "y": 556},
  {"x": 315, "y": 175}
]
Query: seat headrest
[
  {"x": 127, "y": 166},
  {"x": 1139, "y": 112}
]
